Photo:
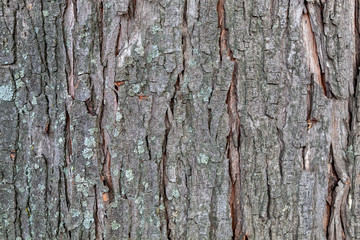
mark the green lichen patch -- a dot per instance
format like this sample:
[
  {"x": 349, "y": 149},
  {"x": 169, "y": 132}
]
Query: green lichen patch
[
  {"x": 114, "y": 225},
  {"x": 90, "y": 142},
  {"x": 146, "y": 185},
  {"x": 154, "y": 53},
  {"x": 6, "y": 93},
  {"x": 203, "y": 159},
  {"x": 88, "y": 220},
  {"x": 129, "y": 175},
  {"x": 175, "y": 193},
  {"x": 79, "y": 179},
  {"x": 45, "y": 13},
  {"x": 93, "y": 130},
  {"x": 87, "y": 153},
  {"x": 155, "y": 29},
  {"x": 75, "y": 212},
  {"x": 162, "y": 207},
  {"x": 140, "y": 50},
  {"x": 140, "y": 147},
  {"x": 116, "y": 133},
  {"x": 118, "y": 116},
  {"x": 136, "y": 88}
]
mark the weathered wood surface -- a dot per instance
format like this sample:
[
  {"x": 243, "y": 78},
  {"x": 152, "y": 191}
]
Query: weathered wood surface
[{"x": 164, "y": 119}]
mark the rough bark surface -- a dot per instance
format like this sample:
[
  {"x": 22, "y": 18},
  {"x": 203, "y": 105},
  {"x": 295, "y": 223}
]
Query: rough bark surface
[{"x": 192, "y": 119}]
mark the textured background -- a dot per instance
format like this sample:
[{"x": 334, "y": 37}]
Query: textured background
[{"x": 192, "y": 119}]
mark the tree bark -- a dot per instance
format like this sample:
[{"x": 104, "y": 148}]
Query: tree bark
[{"x": 161, "y": 119}]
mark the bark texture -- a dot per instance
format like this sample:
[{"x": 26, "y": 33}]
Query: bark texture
[{"x": 191, "y": 119}]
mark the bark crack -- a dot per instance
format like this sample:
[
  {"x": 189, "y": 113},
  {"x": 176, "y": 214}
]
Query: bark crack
[
  {"x": 101, "y": 30},
  {"x": 148, "y": 147},
  {"x": 312, "y": 50},
  {"x": 118, "y": 41},
  {"x": 337, "y": 193},
  {"x": 69, "y": 21},
  {"x": 223, "y": 39},
  {"x": 357, "y": 42},
  {"x": 282, "y": 150},
  {"x": 163, "y": 174},
  {"x": 14, "y": 158},
  {"x": 68, "y": 153},
  {"x": 233, "y": 154},
  {"x": 96, "y": 216}
]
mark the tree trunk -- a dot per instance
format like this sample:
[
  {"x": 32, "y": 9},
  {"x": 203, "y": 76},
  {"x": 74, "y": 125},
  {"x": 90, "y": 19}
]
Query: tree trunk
[{"x": 160, "y": 119}]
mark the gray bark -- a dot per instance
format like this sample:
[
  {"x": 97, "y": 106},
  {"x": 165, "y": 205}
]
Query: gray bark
[{"x": 163, "y": 119}]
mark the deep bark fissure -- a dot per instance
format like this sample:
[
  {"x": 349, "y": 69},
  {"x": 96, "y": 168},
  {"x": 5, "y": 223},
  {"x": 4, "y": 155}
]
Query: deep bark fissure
[
  {"x": 16, "y": 207},
  {"x": 96, "y": 216},
  {"x": 59, "y": 185},
  {"x": 352, "y": 101},
  {"x": 211, "y": 214},
  {"x": 209, "y": 119},
  {"x": 131, "y": 8},
  {"x": 15, "y": 37},
  {"x": 223, "y": 38},
  {"x": 209, "y": 107},
  {"x": 268, "y": 193},
  {"x": 14, "y": 157},
  {"x": 68, "y": 135},
  {"x": 164, "y": 177},
  {"x": 233, "y": 139},
  {"x": 282, "y": 150},
  {"x": 313, "y": 52},
  {"x": 357, "y": 42},
  {"x": 101, "y": 30},
  {"x": 28, "y": 198},
  {"x": 45, "y": 54},
  {"x": 303, "y": 151},
  {"x": 68, "y": 28},
  {"x": 108, "y": 178},
  {"x": 67, "y": 153},
  {"x": 176, "y": 87},
  {"x": 105, "y": 174},
  {"x": 75, "y": 9},
  {"x": 105, "y": 146},
  {"x": 118, "y": 41},
  {"x": 343, "y": 228},
  {"x": 47, "y": 188},
  {"x": 180, "y": 76},
  {"x": 333, "y": 194},
  {"x": 309, "y": 101},
  {"x": 148, "y": 147},
  {"x": 168, "y": 123},
  {"x": 90, "y": 107},
  {"x": 233, "y": 153},
  {"x": 332, "y": 184}
]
